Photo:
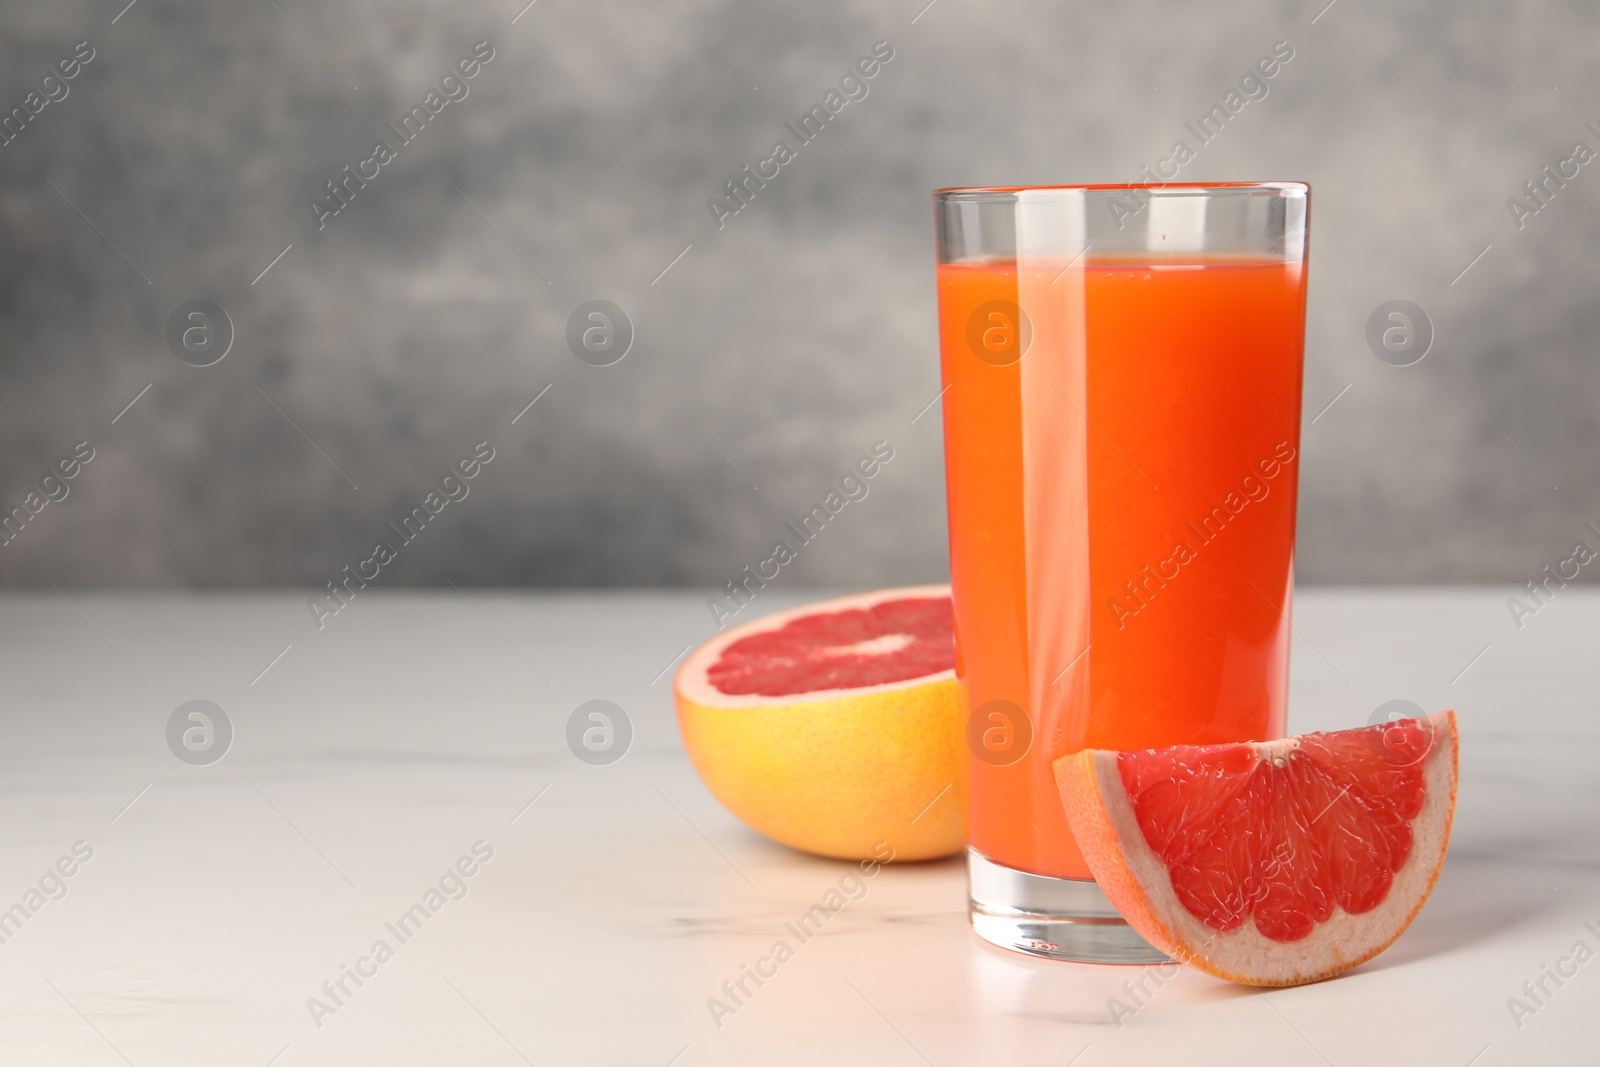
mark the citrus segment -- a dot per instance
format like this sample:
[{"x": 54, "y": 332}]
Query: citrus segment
[{"x": 1270, "y": 863}]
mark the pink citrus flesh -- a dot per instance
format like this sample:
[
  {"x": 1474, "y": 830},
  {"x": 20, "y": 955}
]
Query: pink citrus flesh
[{"x": 1270, "y": 863}]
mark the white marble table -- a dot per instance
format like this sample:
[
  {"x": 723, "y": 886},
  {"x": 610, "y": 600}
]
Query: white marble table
[{"x": 374, "y": 754}]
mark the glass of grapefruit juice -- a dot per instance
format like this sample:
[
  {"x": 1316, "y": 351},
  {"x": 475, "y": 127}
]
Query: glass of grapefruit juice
[{"x": 1122, "y": 370}]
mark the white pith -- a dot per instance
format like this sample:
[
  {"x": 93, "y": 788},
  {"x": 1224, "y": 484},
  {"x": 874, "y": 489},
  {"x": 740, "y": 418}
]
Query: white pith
[
  {"x": 877, "y": 646},
  {"x": 1341, "y": 942},
  {"x": 691, "y": 681}
]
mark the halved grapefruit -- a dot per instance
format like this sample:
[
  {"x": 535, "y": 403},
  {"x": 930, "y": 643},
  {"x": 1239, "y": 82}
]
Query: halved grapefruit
[
  {"x": 836, "y": 727},
  {"x": 1270, "y": 863}
]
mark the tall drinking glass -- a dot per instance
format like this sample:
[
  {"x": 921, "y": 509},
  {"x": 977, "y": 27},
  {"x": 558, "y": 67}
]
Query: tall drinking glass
[{"x": 1122, "y": 425}]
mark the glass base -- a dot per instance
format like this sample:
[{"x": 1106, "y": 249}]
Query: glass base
[{"x": 1060, "y": 918}]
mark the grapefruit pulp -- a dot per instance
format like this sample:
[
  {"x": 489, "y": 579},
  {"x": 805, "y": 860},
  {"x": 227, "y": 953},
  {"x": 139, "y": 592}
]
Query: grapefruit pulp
[
  {"x": 835, "y": 727},
  {"x": 1270, "y": 863}
]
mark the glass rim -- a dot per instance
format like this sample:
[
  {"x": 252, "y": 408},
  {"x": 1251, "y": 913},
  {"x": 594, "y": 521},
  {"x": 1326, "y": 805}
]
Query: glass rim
[{"x": 986, "y": 192}]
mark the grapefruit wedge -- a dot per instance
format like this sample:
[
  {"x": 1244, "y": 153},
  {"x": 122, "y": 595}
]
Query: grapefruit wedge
[
  {"x": 1270, "y": 863},
  {"x": 835, "y": 728}
]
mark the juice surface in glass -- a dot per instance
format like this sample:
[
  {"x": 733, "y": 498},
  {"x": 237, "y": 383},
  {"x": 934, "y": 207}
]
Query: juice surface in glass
[{"x": 1122, "y": 513}]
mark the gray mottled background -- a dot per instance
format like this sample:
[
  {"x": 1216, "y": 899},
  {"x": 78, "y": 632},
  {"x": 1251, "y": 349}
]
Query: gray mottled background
[{"x": 424, "y": 318}]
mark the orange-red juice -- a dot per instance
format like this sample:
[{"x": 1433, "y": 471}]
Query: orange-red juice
[{"x": 1122, "y": 514}]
